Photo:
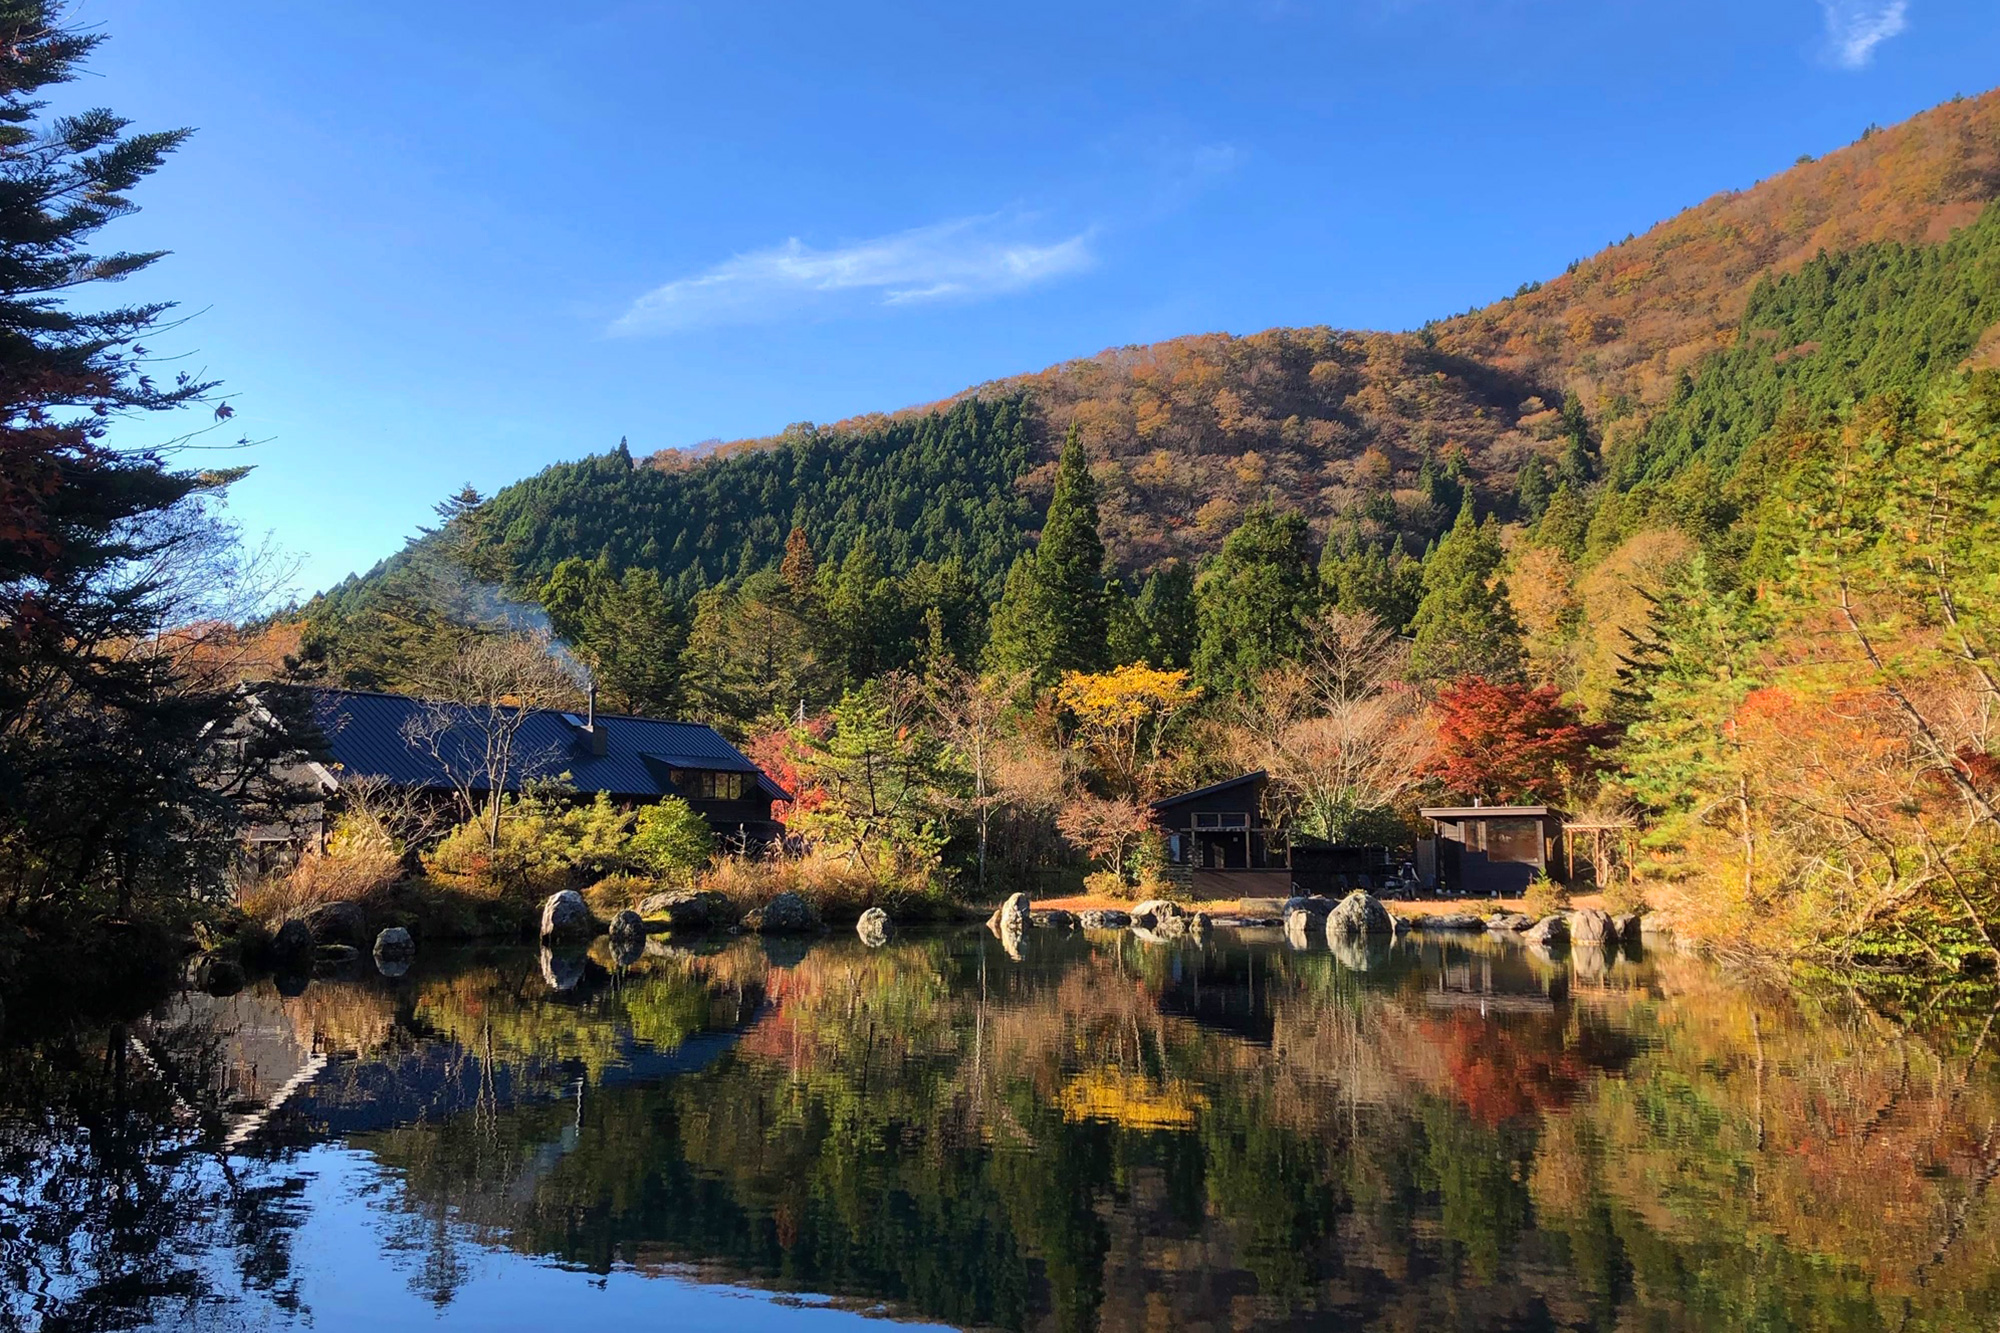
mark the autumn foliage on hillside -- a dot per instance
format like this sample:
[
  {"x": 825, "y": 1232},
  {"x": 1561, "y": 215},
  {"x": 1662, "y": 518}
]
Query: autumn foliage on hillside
[{"x": 1629, "y": 319}]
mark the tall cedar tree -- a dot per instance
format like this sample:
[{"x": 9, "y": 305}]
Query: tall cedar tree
[
  {"x": 1253, "y": 600},
  {"x": 1464, "y": 626},
  {"x": 1053, "y": 615},
  {"x": 108, "y": 779},
  {"x": 1514, "y": 743}
]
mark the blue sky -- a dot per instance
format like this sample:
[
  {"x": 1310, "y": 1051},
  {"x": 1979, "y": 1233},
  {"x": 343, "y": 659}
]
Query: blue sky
[{"x": 442, "y": 242}]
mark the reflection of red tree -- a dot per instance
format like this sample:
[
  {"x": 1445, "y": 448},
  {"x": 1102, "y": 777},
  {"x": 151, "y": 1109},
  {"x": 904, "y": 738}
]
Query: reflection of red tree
[
  {"x": 1502, "y": 1070},
  {"x": 781, "y": 754}
]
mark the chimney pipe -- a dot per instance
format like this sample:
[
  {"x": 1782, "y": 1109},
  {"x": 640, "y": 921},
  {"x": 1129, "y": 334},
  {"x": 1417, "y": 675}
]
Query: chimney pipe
[
  {"x": 599, "y": 742},
  {"x": 590, "y": 714}
]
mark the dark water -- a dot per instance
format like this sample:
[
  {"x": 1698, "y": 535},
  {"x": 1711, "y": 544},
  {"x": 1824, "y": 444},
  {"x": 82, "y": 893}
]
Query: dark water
[{"x": 1104, "y": 1134}]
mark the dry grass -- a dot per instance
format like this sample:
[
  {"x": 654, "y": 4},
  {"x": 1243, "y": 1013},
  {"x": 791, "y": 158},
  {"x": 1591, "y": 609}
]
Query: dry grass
[
  {"x": 840, "y": 887},
  {"x": 350, "y": 873}
]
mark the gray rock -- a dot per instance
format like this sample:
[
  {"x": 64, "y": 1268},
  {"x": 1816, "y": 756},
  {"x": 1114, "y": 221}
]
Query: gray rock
[
  {"x": 1300, "y": 927},
  {"x": 874, "y": 928},
  {"x": 1154, "y": 911},
  {"x": 1550, "y": 932},
  {"x": 1199, "y": 924},
  {"x": 1503, "y": 921},
  {"x": 1012, "y": 915},
  {"x": 1587, "y": 925},
  {"x": 395, "y": 942},
  {"x": 293, "y": 942},
  {"x": 699, "y": 909},
  {"x": 786, "y": 914},
  {"x": 1627, "y": 927},
  {"x": 1359, "y": 913},
  {"x": 338, "y": 923},
  {"x": 1054, "y": 919},
  {"x": 628, "y": 925},
  {"x": 1318, "y": 906},
  {"x": 1104, "y": 918},
  {"x": 1447, "y": 922},
  {"x": 566, "y": 918}
]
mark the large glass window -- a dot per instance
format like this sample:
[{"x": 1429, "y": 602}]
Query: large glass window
[
  {"x": 1514, "y": 840},
  {"x": 706, "y": 785},
  {"x": 1219, "y": 819}
]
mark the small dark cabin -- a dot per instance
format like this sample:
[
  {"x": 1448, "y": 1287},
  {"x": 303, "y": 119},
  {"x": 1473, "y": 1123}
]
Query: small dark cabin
[
  {"x": 633, "y": 760},
  {"x": 1492, "y": 851}
]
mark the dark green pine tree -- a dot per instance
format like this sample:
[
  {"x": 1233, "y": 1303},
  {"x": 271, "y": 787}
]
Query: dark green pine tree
[
  {"x": 1465, "y": 625},
  {"x": 1357, "y": 575},
  {"x": 1579, "y": 460},
  {"x": 1252, "y": 601},
  {"x": 1166, "y": 608},
  {"x": 1532, "y": 488},
  {"x": 1052, "y": 615}
]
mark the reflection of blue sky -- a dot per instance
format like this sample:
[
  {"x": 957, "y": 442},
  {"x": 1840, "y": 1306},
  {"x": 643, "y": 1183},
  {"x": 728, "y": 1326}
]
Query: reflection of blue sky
[{"x": 358, "y": 1270}]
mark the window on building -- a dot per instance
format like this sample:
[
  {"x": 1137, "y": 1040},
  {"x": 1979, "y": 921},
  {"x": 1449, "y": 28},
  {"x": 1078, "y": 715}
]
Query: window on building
[
  {"x": 1518, "y": 841},
  {"x": 1221, "y": 819},
  {"x": 707, "y": 785}
]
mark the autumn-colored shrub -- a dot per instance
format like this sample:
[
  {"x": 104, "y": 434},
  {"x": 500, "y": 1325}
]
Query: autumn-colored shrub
[
  {"x": 360, "y": 862},
  {"x": 1106, "y": 884},
  {"x": 840, "y": 886},
  {"x": 1545, "y": 897},
  {"x": 546, "y": 844}
]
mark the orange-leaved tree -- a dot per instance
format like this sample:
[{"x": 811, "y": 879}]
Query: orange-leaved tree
[{"x": 1514, "y": 743}]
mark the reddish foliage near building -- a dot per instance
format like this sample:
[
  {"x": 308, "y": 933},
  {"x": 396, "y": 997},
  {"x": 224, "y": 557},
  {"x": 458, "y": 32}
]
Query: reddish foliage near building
[
  {"x": 1514, "y": 743},
  {"x": 783, "y": 756}
]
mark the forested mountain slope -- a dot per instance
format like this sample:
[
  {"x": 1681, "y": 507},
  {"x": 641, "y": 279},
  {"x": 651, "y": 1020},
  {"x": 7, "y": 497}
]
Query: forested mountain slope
[{"x": 1187, "y": 435}]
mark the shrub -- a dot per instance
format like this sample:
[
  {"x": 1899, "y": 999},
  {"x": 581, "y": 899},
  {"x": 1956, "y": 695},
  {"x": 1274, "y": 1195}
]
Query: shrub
[
  {"x": 614, "y": 893},
  {"x": 1105, "y": 884},
  {"x": 840, "y": 886},
  {"x": 1624, "y": 895},
  {"x": 546, "y": 844},
  {"x": 1545, "y": 897},
  {"x": 360, "y": 862},
  {"x": 671, "y": 841}
]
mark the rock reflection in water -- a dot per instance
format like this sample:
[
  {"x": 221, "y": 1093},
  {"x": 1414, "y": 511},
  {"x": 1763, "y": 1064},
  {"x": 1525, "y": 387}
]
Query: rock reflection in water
[{"x": 1094, "y": 1132}]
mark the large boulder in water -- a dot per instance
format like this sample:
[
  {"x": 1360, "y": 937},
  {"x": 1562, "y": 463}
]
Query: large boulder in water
[
  {"x": 874, "y": 928},
  {"x": 689, "y": 909},
  {"x": 395, "y": 942},
  {"x": 1587, "y": 925},
  {"x": 1550, "y": 932},
  {"x": 787, "y": 914},
  {"x": 1505, "y": 921},
  {"x": 1103, "y": 918},
  {"x": 1627, "y": 927},
  {"x": 627, "y": 925},
  {"x": 1014, "y": 914},
  {"x": 217, "y": 973},
  {"x": 1359, "y": 913},
  {"x": 338, "y": 923},
  {"x": 566, "y": 918},
  {"x": 1317, "y": 906},
  {"x": 1054, "y": 919},
  {"x": 293, "y": 944},
  {"x": 1154, "y": 911}
]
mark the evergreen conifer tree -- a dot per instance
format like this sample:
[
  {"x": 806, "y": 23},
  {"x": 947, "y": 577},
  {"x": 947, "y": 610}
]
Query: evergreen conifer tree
[
  {"x": 1052, "y": 615},
  {"x": 1252, "y": 601},
  {"x": 1166, "y": 607},
  {"x": 1464, "y": 626}
]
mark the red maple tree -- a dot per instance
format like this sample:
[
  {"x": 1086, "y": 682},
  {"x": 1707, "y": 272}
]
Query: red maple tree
[{"x": 1514, "y": 743}]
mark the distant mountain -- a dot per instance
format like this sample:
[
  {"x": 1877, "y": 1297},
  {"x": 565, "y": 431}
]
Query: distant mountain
[{"x": 1705, "y": 326}]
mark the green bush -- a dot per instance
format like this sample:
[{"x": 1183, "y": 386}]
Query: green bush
[
  {"x": 546, "y": 844},
  {"x": 670, "y": 841}
]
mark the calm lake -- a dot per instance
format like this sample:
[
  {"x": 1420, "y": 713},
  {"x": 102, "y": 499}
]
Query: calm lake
[{"x": 1101, "y": 1134}]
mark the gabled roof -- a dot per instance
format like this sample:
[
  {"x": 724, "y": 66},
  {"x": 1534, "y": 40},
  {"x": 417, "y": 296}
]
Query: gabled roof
[
  {"x": 385, "y": 736},
  {"x": 1212, "y": 789}
]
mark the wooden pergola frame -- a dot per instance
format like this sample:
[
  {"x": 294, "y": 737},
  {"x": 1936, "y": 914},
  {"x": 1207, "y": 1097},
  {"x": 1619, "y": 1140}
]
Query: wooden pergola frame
[{"x": 1623, "y": 835}]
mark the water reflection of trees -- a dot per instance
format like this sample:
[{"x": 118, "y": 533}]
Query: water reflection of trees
[{"x": 1112, "y": 1135}]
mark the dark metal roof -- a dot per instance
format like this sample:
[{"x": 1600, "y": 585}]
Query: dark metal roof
[
  {"x": 1210, "y": 790},
  {"x": 385, "y": 736},
  {"x": 1483, "y": 811}
]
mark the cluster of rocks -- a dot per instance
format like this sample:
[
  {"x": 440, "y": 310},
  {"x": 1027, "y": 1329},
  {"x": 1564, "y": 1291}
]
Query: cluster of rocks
[{"x": 1156, "y": 920}]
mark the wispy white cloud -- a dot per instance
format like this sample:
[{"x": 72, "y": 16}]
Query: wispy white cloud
[
  {"x": 963, "y": 259},
  {"x": 1854, "y": 28}
]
